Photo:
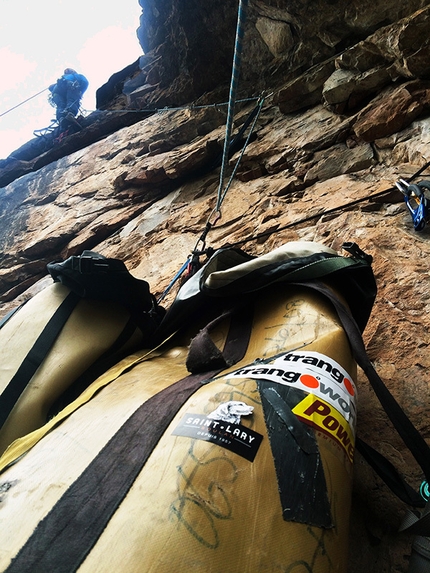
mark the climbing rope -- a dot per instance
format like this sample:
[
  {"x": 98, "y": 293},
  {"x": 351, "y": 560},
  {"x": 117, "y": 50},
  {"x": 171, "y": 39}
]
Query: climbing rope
[
  {"x": 174, "y": 280},
  {"x": 216, "y": 213},
  {"x": 227, "y": 187},
  {"x": 243, "y": 5},
  {"x": 309, "y": 218},
  {"x": 23, "y": 102},
  {"x": 328, "y": 211},
  {"x": 192, "y": 264},
  {"x": 161, "y": 110}
]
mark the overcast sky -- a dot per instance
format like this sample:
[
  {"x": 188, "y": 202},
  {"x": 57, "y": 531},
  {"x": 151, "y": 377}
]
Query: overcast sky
[{"x": 39, "y": 38}]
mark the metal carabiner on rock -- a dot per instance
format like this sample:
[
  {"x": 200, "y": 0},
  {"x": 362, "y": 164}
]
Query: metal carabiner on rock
[{"x": 419, "y": 213}]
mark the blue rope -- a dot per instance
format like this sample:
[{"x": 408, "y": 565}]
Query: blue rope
[
  {"x": 173, "y": 281},
  {"x": 240, "y": 30}
]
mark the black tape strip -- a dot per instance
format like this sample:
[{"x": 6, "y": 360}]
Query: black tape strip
[
  {"x": 301, "y": 433},
  {"x": 301, "y": 481}
]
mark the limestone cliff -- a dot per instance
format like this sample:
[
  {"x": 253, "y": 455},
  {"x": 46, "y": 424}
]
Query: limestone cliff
[{"x": 345, "y": 114}]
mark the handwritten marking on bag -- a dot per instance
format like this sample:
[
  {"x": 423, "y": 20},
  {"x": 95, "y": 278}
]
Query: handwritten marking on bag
[
  {"x": 202, "y": 485},
  {"x": 320, "y": 558},
  {"x": 293, "y": 322}
]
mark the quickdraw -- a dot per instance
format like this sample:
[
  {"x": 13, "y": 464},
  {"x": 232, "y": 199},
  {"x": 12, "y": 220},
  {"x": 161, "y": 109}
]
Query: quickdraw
[{"x": 417, "y": 202}]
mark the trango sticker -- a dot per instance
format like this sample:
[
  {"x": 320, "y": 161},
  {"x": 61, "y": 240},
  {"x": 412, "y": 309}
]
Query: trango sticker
[
  {"x": 313, "y": 373},
  {"x": 324, "y": 417}
]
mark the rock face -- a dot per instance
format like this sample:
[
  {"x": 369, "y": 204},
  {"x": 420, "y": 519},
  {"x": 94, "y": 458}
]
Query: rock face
[{"x": 345, "y": 115}]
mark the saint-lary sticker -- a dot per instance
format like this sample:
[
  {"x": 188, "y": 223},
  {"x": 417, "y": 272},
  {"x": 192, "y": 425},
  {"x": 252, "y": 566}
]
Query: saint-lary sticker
[{"x": 223, "y": 427}]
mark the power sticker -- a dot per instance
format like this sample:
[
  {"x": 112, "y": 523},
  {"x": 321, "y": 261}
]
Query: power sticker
[
  {"x": 324, "y": 417},
  {"x": 312, "y": 372}
]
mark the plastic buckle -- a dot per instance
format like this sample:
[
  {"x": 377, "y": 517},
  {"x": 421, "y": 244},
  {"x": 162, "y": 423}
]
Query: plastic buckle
[
  {"x": 88, "y": 265},
  {"x": 85, "y": 265},
  {"x": 354, "y": 250}
]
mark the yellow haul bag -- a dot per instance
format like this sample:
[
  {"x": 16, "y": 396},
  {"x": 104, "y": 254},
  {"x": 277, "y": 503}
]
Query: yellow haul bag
[
  {"x": 197, "y": 504},
  {"x": 229, "y": 448},
  {"x": 63, "y": 338}
]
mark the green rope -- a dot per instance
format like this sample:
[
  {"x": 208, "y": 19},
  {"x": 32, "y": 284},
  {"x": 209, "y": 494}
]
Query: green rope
[{"x": 230, "y": 181}]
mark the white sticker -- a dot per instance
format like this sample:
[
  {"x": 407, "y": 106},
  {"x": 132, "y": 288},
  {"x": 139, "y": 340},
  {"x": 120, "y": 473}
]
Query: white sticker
[
  {"x": 231, "y": 411},
  {"x": 311, "y": 372}
]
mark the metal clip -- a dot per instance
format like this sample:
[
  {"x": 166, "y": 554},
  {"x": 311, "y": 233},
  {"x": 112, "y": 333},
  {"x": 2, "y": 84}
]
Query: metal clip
[{"x": 419, "y": 211}]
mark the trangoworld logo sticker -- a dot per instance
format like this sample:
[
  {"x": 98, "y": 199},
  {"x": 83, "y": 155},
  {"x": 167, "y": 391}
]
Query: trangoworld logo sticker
[
  {"x": 223, "y": 427},
  {"x": 312, "y": 372}
]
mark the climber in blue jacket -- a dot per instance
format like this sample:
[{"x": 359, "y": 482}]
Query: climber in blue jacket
[{"x": 67, "y": 92}]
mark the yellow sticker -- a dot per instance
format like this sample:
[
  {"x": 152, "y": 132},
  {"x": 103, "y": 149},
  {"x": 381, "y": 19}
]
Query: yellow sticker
[{"x": 321, "y": 415}]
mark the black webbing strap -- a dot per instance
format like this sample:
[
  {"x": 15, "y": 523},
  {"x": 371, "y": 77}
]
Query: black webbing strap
[
  {"x": 63, "y": 539},
  {"x": 108, "y": 359},
  {"x": 9, "y": 315},
  {"x": 389, "y": 474},
  {"x": 35, "y": 356},
  {"x": 406, "y": 430},
  {"x": 417, "y": 525}
]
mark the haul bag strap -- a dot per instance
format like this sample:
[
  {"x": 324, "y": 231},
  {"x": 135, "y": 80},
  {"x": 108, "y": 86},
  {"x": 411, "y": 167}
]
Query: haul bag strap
[
  {"x": 389, "y": 474},
  {"x": 108, "y": 359},
  {"x": 9, "y": 315},
  {"x": 63, "y": 539},
  {"x": 407, "y": 431},
  {"x": 35, "y": 356},
  {"x": 417, "y": 525},
  {"x": 22, "y": 445}
]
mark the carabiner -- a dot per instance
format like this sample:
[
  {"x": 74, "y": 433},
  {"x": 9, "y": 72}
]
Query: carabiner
[{"x": 419, "y": 213}]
